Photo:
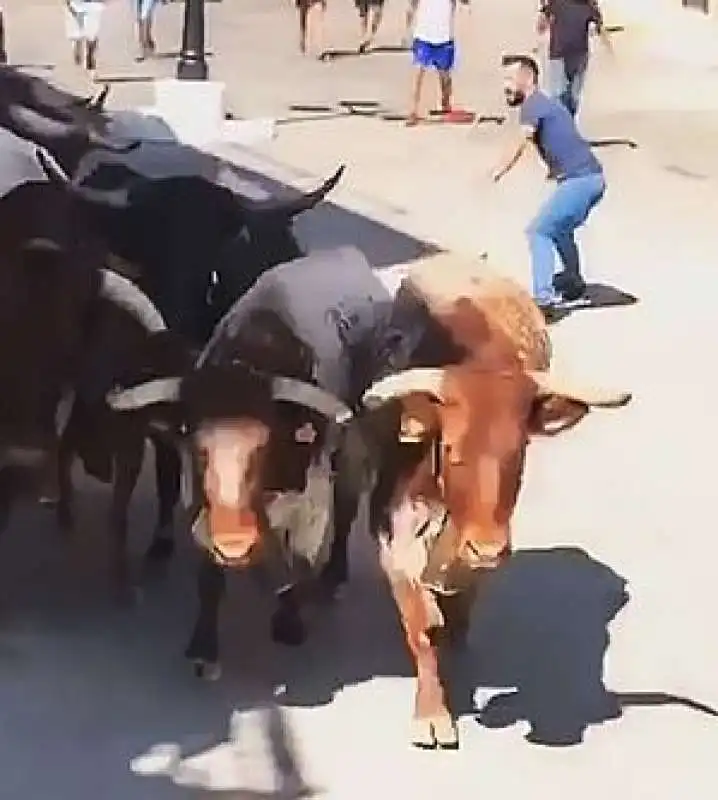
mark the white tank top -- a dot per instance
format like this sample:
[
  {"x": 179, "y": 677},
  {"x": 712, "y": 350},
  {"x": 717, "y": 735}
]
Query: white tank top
[{"x": 434, "y": 21}]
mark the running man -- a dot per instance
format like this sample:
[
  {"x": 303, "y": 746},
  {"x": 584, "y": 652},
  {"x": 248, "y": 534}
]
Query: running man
[
  {"x": 144, "y": 11},
  {"x": 370, "y": 16},
  {"x": 568, "y": 23},
  {"x": 433, "y": 47},
  {"x": 546, "y": 123},
  {"x": 311, "y": 27},
  {"x": 82, "y": 25}
]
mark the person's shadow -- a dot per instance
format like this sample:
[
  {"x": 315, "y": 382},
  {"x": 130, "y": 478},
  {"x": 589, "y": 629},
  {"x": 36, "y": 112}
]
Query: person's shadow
[{"x": 540, "y": 626}]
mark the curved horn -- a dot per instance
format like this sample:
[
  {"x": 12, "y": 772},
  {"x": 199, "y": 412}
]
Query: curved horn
[
  {"x": 159, "y": 390},
  {"x": 311, "y": 396},
  {"x": 291, "y": 208},
  {"x": 550, "y": 383},
  {"x": 424, "y": 380},
  {"x": 54, "y": 172},
  {"x": 124, "y": 294},
  {"x": 97, "y": 103},
  {"x": 32, "y": 125}
]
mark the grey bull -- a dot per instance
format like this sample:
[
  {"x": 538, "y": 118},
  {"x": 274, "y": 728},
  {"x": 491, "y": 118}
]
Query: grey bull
[{"x": 268, "y": 450}]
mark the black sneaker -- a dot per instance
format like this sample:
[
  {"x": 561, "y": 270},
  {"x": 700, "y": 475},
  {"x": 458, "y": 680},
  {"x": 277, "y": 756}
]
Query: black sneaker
[
  {"x": 553, "y": 311},
  {"x": 570, "y": 289}
]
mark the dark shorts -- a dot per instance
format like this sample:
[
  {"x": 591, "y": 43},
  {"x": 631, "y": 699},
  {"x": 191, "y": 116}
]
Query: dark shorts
[
  {"x": 310, "y": 3},
  {"x": 438, "y": 56},
  {"x": 363, "y": 6}
]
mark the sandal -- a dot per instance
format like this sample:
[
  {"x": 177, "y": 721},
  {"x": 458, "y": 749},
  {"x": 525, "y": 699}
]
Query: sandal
[{"x": 412, "y": 121}]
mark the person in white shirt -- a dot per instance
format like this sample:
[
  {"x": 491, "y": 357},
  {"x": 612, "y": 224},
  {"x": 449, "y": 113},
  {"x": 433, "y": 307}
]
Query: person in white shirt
[
  {"x": 433, "y": 47},
  {"x": 82, "y": 25}
]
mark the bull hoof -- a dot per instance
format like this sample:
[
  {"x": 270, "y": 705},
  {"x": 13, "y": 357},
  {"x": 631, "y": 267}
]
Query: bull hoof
[
  {"x": 65, "y": 519},
  {"x": 431, "y": 733},
  {"x": 129, "y": 596},
  {"x": 206, "y": 670},
  {"x": 161, "y": 549},
  {"x": 287, "y": 628}
]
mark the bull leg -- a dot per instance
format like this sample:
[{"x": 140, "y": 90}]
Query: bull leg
[
  {"x": 203, "y": 647},
  {"x": 128, "y": 465},
  {"x": 287, "y": 626},
  {"x": 336, "y": 571},
  {"x": 66, "y": 491},
  {"x": 167, "y": 476},
  {"x": 433, "y": 725}
]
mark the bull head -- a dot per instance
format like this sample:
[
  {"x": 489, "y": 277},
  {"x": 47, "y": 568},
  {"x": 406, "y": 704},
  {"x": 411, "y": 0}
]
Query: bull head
[
  {"x": 36, "y": 127},
  {"x": 228, "y": 454},
  {"x": 484, "y": 420}
]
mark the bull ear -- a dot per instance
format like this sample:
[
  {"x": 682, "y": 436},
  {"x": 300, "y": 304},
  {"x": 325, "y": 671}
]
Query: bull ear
[{"x": 553, "y": 414}]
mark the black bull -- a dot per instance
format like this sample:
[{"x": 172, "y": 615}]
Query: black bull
[
  {"x": 54, "y": 298},
  {"x": 293, "y": 357}
]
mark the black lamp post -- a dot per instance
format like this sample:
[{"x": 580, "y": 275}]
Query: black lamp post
[{"x": 192, "y": 65}]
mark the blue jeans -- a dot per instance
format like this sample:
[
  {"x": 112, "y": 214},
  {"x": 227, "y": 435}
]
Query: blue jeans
[
  {"x": 553, "y": 229},
  {"x": 565, "y": 81}
]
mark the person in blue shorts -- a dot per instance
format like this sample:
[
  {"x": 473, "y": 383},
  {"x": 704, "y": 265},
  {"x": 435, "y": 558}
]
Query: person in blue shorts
[
  {"x": 433, "y": 47},
  {"x": 549, "y": 126}
]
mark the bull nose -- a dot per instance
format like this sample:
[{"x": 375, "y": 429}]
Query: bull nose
[{"x": 233, "y": 533}]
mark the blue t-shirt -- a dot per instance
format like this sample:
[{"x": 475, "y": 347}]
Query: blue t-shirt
[{"x": 566, "y": 153}]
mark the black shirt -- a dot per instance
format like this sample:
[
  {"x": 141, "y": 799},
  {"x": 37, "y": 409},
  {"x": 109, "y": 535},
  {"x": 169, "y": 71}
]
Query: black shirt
[{"x": 569, "y": 21}]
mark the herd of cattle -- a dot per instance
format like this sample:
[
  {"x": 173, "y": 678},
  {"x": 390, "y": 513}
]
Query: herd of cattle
[{"x": 147, "y": 293}]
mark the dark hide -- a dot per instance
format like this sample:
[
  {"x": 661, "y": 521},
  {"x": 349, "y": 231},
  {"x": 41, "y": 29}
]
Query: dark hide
[
  {"x": 48, "y": 286},
  {"x": 199, "y": 229},
  {"x": 65, "y": 124}
]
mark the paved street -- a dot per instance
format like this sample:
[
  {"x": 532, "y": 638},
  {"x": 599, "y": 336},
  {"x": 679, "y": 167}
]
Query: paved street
[{"x": 628, "y": 496}]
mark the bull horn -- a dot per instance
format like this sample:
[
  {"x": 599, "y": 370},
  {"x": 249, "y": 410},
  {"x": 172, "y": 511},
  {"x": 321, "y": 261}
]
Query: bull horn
[
  {"x": 33, "y": 125},
  {"x": 54, "y": 172},
  {"x": 549, "y": 383},
  {"x": 424, "y": 380},
  {"x": 123, "y": 293},
  {"x": 291, "y": 208},
  {"x": 159, "y": 390},
  {"x": 311, "y": 396},
  {"x": 37, "y": 127},
  {"x": 97, "y": 102}
]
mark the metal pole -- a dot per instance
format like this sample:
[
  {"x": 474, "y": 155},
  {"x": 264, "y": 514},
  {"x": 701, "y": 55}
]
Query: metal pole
[{"x": 192, "y": 65}]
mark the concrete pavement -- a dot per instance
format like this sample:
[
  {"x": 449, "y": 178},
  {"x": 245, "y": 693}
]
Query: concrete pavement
[{"x": 85, "y": 687}]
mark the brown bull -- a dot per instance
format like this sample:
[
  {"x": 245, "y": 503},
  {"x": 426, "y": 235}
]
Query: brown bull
[{"x": 449, "y": 489}]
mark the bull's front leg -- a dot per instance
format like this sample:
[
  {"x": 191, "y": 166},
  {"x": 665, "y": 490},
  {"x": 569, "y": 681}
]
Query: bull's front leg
[
  {"x": 167, "y": 476},
  {"x": 203, "y": 647},
  {"x": 433, "y": 726},
  {"x": 128, "y": 465}
]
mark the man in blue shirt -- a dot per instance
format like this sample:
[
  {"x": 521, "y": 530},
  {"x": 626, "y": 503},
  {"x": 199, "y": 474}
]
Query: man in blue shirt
[{"x": 547, "y": 124}]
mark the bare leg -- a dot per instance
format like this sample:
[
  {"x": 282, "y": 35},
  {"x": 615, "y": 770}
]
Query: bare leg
[
  {"x": 3, "y": 51},
  {"x": 413, "y": 117},
  {"x": 303, "y": 14},
  {"x": 446, "y": 86},
  {"x": 91, "y": 56},
  {"x": 77, "y": 52},
  {"x": 363, "y": 30},
  {"x": 316, "y": 29}
]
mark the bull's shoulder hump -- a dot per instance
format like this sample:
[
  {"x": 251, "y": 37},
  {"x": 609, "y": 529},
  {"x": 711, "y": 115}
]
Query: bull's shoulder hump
[
  {"x": 444, "y": 278},
  {"x": 444, "y": 282}
]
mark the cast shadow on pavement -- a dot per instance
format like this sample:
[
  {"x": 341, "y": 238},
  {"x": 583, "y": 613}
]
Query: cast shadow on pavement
[
  {"x": 541, "y": 630},
  {"x": 538, "y": 640},
  {"x": 597, "y": 296}
]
